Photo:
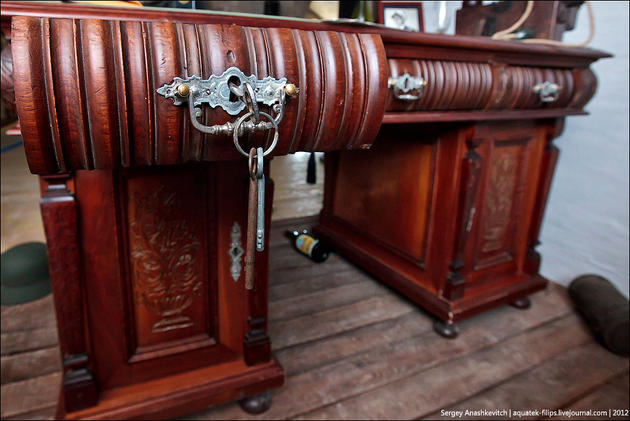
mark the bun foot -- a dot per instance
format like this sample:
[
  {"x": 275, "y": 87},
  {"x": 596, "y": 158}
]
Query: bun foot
[
  {"x": 522, "y": 303},
  {"x": 449, "y": 330},
  {"x": 256, "y": 404}
]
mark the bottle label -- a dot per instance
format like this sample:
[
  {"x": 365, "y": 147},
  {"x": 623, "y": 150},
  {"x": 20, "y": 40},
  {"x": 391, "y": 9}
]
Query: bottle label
[{"x": 305, "y": 243}]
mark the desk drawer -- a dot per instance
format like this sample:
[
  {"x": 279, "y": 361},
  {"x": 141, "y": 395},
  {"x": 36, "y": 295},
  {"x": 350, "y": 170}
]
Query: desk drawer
[
  {"x": 98, "y": 93},
  {"x": 429, "y": 85}
]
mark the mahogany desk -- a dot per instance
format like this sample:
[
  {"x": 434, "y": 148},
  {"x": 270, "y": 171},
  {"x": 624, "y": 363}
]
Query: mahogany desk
[{"x": 145, "y": 216}]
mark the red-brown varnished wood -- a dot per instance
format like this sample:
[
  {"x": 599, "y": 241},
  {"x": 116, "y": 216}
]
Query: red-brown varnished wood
[
  {"x": 160, "y": 297},
  {"x": 547, "y": 168},
  {"x": 483, "y": 47},
  {"x": 59, "y": 214},
  {"x": 488, "y": 183},
  {"x": 152, "y": 311},
  {"x": 112, "y": 117},
  {"x": 191, "y": 391}
]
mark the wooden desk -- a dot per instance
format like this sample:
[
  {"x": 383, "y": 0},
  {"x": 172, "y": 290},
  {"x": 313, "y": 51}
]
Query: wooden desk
[{"x": 145, "y": 215}]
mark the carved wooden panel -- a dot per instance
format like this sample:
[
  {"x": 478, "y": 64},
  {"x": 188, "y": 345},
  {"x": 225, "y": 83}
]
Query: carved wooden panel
[
  {"x": 168, "y": 257},
  {"x": 86, "y": 89},
  {"x": 501, "y": 200}
]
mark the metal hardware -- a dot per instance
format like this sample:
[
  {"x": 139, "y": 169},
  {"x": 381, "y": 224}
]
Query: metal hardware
[
  {"x": 260, "y": 216},
  {"x": 233, "y": 92},
  {"x": 252, "y": 222},
  {"x": 236, "y": 251},
  {"x": 249, "y": 127},
  {"x": 215, "y": 91},
  {"x": 547, "y": 91},
  {"x": 404, "y": 84},
  {"x": 291, "y": 89}
]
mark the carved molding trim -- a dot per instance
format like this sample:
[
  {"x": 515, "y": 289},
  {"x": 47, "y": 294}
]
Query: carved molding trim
[{"x": 471, "y": 171}]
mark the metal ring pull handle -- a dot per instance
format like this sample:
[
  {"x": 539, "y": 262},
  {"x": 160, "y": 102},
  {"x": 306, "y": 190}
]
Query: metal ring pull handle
[
  {"x": 219, "y": 91},
  {"x": 238, "y": 130}
]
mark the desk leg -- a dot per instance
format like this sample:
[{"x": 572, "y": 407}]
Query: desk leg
[{"x": 59, "y": 214}]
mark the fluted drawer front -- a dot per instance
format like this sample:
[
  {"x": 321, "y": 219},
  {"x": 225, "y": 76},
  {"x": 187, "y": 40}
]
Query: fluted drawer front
[
  {"x": 458, "y": 85},
  {"x": 86, "y": 89}
]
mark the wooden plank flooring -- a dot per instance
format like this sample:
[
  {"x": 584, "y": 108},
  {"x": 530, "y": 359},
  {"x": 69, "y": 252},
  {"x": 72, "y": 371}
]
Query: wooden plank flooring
[{"x": 354, "y": 349}]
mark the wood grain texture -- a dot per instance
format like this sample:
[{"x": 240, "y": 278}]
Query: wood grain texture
[
  {"x": 344, "y": 364},
  {"x": 460, "y": 85},
  {"x": 454, "y": 234},
  {"x": 103, "y": 111},
  {"x": 518, "y": 392},
  {"x": 61, "y": 224}
]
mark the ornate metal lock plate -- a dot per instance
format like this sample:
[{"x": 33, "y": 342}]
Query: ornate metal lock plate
[
  {"x": 404, "y": 84},
  {"x": 547, "y": 91},
  {"x": 233, "y": 91},
  {"x": 215, "y": 91}
]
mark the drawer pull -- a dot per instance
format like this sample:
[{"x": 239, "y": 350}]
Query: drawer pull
[
  {"x": 404, "y": 84},
  {"x": 547, "y": 91},
  {"x": 233, "y": 92}
]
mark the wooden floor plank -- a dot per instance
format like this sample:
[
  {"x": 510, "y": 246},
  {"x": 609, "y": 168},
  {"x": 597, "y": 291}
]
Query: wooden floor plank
[
  {"x": 36, "y": 314},
  {"x": 311, "y": 284},
  {"x": 428, "y": 390},
  {"x": 305, "y": 357},
  {"x": 550, "y": 385},
  {"x": 39, "y": 414},
  {"x": 351, "y": 347},
  {"x": 330, "y": 268},
  {"x": 28, "y": 340},
  {"x": 609, "y": 396},
  {"x": 325, "y": 299},
  {"x": 379, "y": 365},
  {"x": 27, "y": 365},
  {"x": 30, "y": 395},
  {"x": 548, "y": 304},
  {"x": 329, "y": 322}
]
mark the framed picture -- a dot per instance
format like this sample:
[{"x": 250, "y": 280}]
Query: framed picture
[{"x": 406, "y": 15}]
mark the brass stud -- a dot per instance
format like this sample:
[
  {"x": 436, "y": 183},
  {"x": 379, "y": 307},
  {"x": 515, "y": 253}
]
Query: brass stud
[
  {"x": 182, "y": 90},
  {"x": 291, "y": 89}
]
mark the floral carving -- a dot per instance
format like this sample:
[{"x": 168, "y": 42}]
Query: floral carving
[
  {"x": 164, "y": 258},
  {"x": 499, "y": 201}
]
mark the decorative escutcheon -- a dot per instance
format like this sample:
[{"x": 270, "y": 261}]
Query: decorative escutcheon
[
  {"x": 215, "y": 91},
  {"x": 404, "y": 84},
  {"x": 547, "y": 91},
  {"x": 235, "y": 251},
  {"x": 234, "y": 92}
]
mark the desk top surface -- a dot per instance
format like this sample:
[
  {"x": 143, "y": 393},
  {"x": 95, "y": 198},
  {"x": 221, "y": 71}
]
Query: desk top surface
[{"x": 389, "y": 35}]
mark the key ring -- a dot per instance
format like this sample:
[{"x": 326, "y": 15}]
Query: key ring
[
  {"x": 250, "y": 101},
  {"x": 242, "y": 119},
  {"x": 253, "y": 171}
]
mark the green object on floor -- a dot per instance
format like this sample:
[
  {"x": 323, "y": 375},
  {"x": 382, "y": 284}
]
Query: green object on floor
[{"x": 24, "y": 274}]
